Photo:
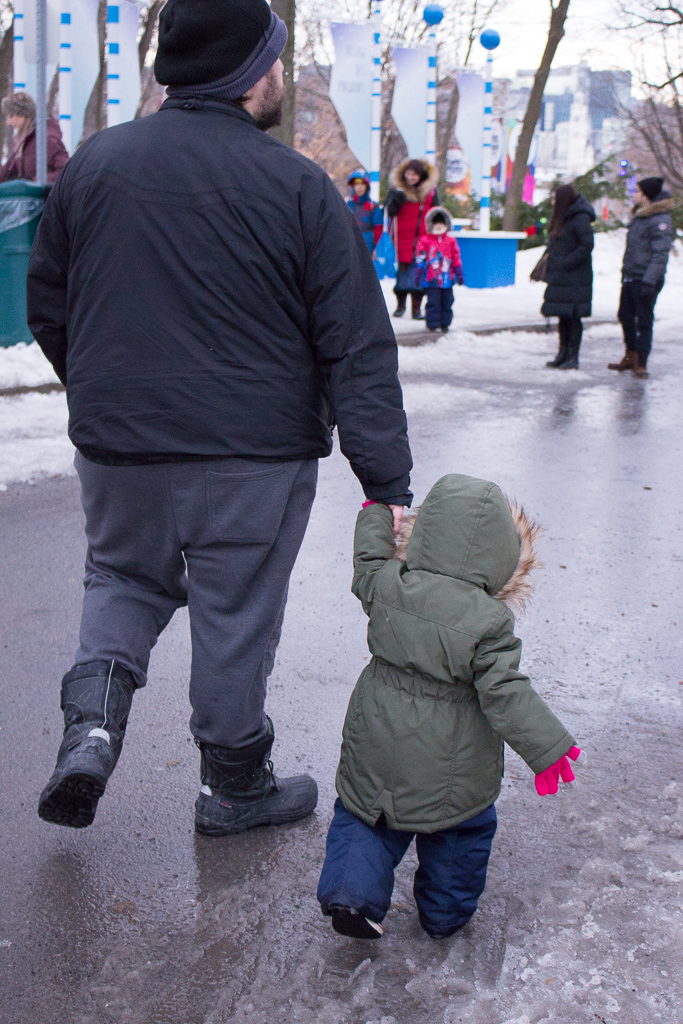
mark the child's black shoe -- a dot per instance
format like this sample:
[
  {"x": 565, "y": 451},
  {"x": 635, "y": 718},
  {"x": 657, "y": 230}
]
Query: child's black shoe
[{"x": 347, "y": 921}]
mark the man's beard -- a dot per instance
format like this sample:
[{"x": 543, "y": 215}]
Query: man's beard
[{"x": 270, "y": 113}]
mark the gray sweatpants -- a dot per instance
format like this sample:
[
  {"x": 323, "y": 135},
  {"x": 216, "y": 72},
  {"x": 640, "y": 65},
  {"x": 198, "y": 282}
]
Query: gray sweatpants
[{"x": 220, "y": 537}]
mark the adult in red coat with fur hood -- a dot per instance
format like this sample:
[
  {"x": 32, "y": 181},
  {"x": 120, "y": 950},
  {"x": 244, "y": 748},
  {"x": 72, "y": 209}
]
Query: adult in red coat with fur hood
[{"x": 412, "y": 194}]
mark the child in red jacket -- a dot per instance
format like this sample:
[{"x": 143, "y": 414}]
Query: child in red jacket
[{"x": 438, "y": 265}]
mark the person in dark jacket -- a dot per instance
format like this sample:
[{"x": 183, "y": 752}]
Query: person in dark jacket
[
  {"x": 570, "y": 272},
  {"x": 20, "y": 111},
  {"x": 207, "y": 298},
  {"x": 648, "y": 244},
  {"x": 368, "y": 214},
  {"x": 412, "y": 194}
]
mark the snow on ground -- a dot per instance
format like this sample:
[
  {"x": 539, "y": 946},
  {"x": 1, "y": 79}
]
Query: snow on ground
[
  {"x": 24, "y": 366},
  {"x": 521, "y": 303},
  {"x": 33, "y": 441},
  {"x": 33, "y": 438}
]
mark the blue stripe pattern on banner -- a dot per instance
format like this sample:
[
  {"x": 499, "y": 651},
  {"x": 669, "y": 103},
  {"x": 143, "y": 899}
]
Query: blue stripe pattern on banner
[
  {"x": 113, "y": 15},
  {"x": 66, "y": 19},
  {"x": 113, "y": 47}
]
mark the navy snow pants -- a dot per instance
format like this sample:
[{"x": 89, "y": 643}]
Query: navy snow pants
[
  {"x": 360, "y": 862},
  {"x": 439, "y": 309}
]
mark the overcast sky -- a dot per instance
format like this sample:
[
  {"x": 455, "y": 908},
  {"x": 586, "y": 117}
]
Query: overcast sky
[{"x": 590, "y": 34}]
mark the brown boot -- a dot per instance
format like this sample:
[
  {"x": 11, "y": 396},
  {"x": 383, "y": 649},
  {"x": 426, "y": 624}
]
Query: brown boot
[
  {"x": 640, "y": 371},
  {"x": 629, "y": 362}
]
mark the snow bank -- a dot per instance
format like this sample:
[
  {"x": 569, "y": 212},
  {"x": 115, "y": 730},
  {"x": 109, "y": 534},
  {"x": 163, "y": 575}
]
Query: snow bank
[
  {"x": 33, "y": 438},
  {"x": 33, "y": 427},
  {"x": 24, "y": 366},
  {"x": 521, "y": 303}
]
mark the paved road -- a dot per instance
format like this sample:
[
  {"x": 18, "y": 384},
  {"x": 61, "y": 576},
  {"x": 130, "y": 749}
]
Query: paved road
[{"x": 138, "y": 921}]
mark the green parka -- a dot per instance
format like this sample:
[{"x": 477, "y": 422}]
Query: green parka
[{"x": 423, "y": 735}]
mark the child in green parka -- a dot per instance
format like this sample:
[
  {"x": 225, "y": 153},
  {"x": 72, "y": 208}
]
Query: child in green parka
[{"x": 422, "y": 748}]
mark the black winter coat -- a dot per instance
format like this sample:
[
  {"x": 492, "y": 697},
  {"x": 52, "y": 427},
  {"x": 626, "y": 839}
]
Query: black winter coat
[
  {"x": 570, "y": 269},
  {"x": 204, "y": 291},
  {"x": 648, "y": 242}
]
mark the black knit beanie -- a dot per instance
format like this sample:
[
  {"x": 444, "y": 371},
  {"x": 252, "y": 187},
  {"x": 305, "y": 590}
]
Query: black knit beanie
[
  {"x": 201, "y": 41},
  {"x": 651, "y": 187}
]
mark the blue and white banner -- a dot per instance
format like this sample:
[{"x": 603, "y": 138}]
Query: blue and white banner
[
  {"x": 409, "y": 104},
  {"x": 351, "y": 84},
  {"x": 469, "y": 126}
]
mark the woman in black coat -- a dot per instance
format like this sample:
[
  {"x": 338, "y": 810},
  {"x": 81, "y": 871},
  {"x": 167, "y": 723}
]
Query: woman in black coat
[{"x": 569, "y": 273}]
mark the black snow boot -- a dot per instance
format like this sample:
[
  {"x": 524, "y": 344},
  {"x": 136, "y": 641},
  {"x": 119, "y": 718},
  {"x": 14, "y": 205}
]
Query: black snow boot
[
  {"x": 560, "y": 357},
  {"x": 562, "y": 349},
  {"x": 347, "y": 921},
  {"x": 240, "y": 791},
  {"x": 96, "y": 701},
  {"x": 574, "y": 335}
]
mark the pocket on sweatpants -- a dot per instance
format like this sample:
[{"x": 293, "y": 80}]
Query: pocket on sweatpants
[{"x": 247, "y": 508}]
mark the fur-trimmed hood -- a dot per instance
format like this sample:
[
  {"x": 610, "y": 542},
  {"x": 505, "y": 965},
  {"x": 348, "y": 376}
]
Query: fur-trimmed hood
[
  {"x": 429, "y": 219},
  {"x": 420, "y": 192},
  {"x": 659, "y": 206},
  {"x": 468, "y": 514}
]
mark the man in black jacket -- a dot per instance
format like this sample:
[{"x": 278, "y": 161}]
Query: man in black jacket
[
  {"x": 648, "y": 244},
  {"x": 209, "y": 335}
]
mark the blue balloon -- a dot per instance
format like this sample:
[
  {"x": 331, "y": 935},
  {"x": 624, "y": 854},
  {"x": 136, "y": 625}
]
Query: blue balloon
[
  {"x": 489, "y": 39},
  {"x": 433, "y": 14}
]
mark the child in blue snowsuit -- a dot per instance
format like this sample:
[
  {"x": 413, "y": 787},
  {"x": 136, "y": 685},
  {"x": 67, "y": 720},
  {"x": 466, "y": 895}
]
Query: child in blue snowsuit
[{"x": 368, "y": 214}]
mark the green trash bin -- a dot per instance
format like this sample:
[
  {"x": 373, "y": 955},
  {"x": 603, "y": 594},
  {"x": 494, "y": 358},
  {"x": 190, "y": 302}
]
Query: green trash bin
[{"x": 21, "y": 205}]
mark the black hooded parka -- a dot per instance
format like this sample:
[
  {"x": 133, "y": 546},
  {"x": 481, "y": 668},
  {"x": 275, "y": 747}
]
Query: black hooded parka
[{"x": 570, "y": 270}]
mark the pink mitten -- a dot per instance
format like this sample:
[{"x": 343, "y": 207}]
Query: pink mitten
[{"x": 546, "y": 781}]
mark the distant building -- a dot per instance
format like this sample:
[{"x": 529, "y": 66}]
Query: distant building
[{"x": 581, "y": 120}]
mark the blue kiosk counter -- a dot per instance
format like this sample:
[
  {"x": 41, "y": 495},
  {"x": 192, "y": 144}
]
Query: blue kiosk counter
[{"x": 488, "y": 257}]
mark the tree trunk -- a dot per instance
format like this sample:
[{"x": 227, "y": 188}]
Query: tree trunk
[
  {"x": 558, "y": 16},
  {"x": 150, "y": 24},
  {"x": 95, "y": 118},
  {"x": 6, "y": 79},
  {"x": 286, "y": 9}
]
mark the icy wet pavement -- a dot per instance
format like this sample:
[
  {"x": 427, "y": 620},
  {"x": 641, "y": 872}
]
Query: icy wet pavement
[{"x": 138, "y": 921}]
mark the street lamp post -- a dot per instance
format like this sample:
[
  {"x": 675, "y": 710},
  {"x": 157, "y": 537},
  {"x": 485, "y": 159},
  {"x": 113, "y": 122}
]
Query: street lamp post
[
  {"x": 65, "y": 78},
  {"x": 113, "y": 65},
  {"x": 433, "y": 15},
  {"x": 489, "y": 39},
  {"x": 19, "y": 57},
  {"x": 41, "y": 92},
  {"x": 376, "y": 112}
]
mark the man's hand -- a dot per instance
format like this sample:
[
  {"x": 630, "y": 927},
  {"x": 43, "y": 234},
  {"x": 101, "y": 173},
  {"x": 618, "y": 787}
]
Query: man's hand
[{"x": 397, "y": 513}]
